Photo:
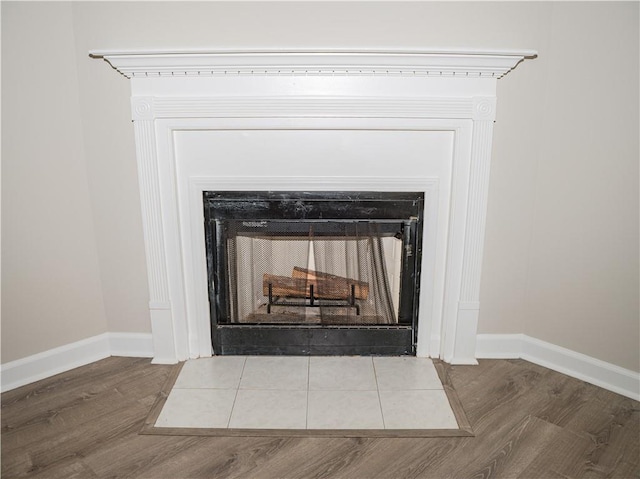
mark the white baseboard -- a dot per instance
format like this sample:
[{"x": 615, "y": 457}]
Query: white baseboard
[
  {"x": 499, "y": 346},
  {"x": 600, "y": 373},
  {"x": 489, "y": 346},
  {"x": 58, "y": 360},
  {"x": 133, "y": 345}
]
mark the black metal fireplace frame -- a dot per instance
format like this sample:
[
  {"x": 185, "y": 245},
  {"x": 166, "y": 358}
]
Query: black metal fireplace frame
[{"x": 273, "y": 211}]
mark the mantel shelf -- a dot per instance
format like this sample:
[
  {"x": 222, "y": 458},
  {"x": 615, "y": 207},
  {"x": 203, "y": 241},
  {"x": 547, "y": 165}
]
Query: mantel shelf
[{"x": 437, "y": 62}]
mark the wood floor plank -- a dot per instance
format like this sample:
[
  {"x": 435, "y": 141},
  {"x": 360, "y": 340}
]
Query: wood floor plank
[
  {"x": 139, "y": 453},
  {"x": 507, "y": 445},
  {"x": 565, "y": 456},
  {"x": 84, "y": 409},
  {"x": 326, "y": 457},
  {"x": 65, "y": 390},
  {"x": 75, "y": 413},
  {"x": 517, "y": 450},
  {"x": 529, "y": 422},
  {"x": 562, "y": 398},
  {"x": 68, "y": 468},
  {"x": 494, "y": 386},
  {"x": 612, "y": 425},
  {"x": 233, "y": 457},
  {"x": 414, "y": 459}
]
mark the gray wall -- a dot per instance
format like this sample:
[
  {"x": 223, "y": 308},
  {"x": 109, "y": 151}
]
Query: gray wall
[
  {"x": 51, "y": 286},
  {"x": 561, "y": 257}
]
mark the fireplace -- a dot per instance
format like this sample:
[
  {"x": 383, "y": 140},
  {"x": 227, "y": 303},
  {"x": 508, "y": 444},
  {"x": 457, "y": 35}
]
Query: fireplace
[
  {"x": 374, "y": 121},
  {"x": 313, "y": 273}
]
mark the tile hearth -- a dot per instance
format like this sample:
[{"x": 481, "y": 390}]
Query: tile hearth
[{"x": 308, "y": 393}]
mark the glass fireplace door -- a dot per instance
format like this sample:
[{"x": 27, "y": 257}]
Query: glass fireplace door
[{"x": 311, "y": 282}]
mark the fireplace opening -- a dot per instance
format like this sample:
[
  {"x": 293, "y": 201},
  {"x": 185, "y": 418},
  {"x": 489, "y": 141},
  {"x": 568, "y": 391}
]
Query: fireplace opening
[{"x": 313, "y": 272}]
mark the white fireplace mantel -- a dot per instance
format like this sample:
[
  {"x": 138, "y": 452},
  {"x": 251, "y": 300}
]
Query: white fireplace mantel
[
  {"x": 201, "y": 119},
  {"x": 134, "y": 64}
]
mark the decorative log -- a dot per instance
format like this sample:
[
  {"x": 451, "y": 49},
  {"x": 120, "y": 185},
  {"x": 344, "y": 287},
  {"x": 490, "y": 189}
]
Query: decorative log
[
  {"x": 361, "y": 287},
  {"x": 299, "y": 287}
]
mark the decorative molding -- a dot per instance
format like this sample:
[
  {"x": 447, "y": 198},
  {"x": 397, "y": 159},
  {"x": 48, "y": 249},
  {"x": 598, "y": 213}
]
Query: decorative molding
[
  {"x": 159, "y": 305},
  {"x": 154, "y": 239},
  {"x": 469, "y": 305},
  {"x": 316, "y": 183},
  {"x": 310, "y": 107},
  {"x": 484, "y": 108},
  {"x": 435, "y": 345},
  {"x": 151, "y": 211},
  {"x": 80, "y": 353},
  {"x": 142, "y": 108},
  {"x": 577, "y": 365},
  {"x": 453, "y": 328},
  {"x": 477, "y": 210},
  {"x": 477, "y": 64},
  {"x": 468, "y": 311}
]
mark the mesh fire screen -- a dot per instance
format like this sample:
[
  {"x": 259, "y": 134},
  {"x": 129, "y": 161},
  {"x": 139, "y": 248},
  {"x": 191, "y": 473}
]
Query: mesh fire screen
[{"x": 314, "y": 273}]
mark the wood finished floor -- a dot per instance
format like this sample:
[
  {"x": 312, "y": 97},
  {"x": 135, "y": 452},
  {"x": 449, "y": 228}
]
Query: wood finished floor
[{"x": 530, "y": 422}]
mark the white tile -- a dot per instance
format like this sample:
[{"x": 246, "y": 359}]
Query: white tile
[
  {"x": 406, "y": 372},
  {"x": 417, "y": 409},
  {"x": 344, "y": 410},
  {"x": 219, "y": 372},
  {"x": 269, "y": 409},
  {"x": 281, "y": 372},
  {"x": 344, "y": 393},
  {"x": 197, "y": 408},
  {"x": 341, "y": 373}
]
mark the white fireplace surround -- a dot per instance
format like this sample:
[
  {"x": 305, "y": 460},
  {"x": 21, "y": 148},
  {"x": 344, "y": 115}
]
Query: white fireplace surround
[{"x": 266, "y": 120}]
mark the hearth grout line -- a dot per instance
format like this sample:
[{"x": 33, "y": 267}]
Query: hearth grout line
[
  {"x": 235, "y": 397},
  {"x": 306, "y": 416},
  {"x": 375, "y": 375}
]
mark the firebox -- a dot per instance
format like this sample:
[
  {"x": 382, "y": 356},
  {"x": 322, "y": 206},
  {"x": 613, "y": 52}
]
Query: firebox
[{"x": 313, "y": 273}]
